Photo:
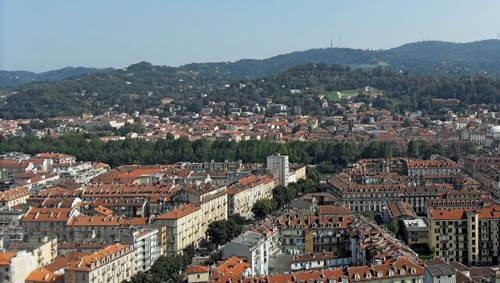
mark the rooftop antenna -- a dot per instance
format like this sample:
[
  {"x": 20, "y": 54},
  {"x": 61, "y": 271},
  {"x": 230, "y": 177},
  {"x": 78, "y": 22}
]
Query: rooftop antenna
[
  {"x": 331, "y": 41},
  {"x": 339, "y": 42}
]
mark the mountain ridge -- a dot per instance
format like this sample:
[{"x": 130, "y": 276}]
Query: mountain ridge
[
  {"x": 20, "y": 78},
  {"x": 423, "y": 57}
]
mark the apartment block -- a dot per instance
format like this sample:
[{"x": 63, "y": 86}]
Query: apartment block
[
  {"x": 13, "y": 197},
  {"x": 278, "y": 165},
  {"x": 468, "y": 236},
  {"x": 146, "y": 248},
  {"x": 113, "y": 264},
  {"x": 183, "y": 227},
  {"x": 42, "y": 247},
  {"x": 250, "y": 245},
  {"x": 212, "y": 200},
  {"x": 15, "y": 266},
  {"x": 245, "y": 193}
]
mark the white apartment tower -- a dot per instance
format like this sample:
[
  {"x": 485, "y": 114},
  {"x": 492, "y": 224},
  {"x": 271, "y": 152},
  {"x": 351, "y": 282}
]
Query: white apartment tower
[{"x": 278, "y": 165}]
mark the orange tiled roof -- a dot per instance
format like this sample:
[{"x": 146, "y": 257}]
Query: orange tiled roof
[
  {"x": 36, "y": 214},
  {"x": 197, "y": 269},
  {"x": 5, "y": 258},
  {"x": 43, "y": 275},
  {"x": 333, "y": 209},
  {"x": 85, "y": 264},
  {"x": 179, "y": 212},
  {"x": 233, "y": 267},
  {"x": 106, "y": 220},
  {"x": 13, "y": 194},
  {"x": 490, "y": 212}
]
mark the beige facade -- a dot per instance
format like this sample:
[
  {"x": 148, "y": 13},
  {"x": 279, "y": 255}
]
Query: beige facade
[
  {"x": 468, "y": 236},
  {"x": 113, "y": 264},
  {"x": 243, "y": 195},
  {"x": 16, "y": 266},
  {"x": 43, "y": 248},
  {"x": 183, "y": 227},
  {"x": 212, "y": 200},
  {"x": 13, "y": 197},
  {"x": 198, "y": 274}
]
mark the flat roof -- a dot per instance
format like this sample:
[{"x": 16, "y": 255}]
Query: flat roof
[{"x": 415, "y": 223}]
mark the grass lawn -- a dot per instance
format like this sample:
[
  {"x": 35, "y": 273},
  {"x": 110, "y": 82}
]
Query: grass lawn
[{"x": 336, "y": 96}]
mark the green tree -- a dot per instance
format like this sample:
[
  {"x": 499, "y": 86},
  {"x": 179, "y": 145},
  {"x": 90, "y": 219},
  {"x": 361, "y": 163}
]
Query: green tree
[
  {"x": 166, "y": 268},
  {"x": 394, "y": 226},
  {"x": 223, "y": 231},
  {"x": 312, "y": 174},
  {"x": 141, "y": 277},
  {"x": 263, "y": 208}
]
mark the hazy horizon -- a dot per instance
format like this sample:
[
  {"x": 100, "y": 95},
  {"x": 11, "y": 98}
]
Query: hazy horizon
[{"x": 42, "y": 36}]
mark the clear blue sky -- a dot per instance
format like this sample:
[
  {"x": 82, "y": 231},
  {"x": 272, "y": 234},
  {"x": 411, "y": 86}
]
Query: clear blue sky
[{"x": 41, "y": 35}]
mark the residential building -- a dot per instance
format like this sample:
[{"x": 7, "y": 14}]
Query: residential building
[
  {"x": 247, "y": 191},
  {"x": 415, "y": 231},
  {"x": 211, "y": 198},
  {"x": 183, "y": 227},
  {"x": 439, "y": 271},
  {"x": 278, "y": 165},
  {"x": 103, "y": 228},
  {"x": 306, "y": 234},
  {"x": 54, "y": 272},
  {"x": 13, "y": 197},
  {"x": 437, "y": 166},
  {"x": 468, "y": 236},
  {"x": 146, "y": 248},
  {"x": 231, "y": 269},
  {"x": 15, "y": 266},
  {"x": 43, "y": 247},
  {"x": 318, "y": 261},
  {"x": 198, "y": 274},
  {"x": 50, "y": 221},
  {"x": 252, "y": 246},
  {"x": 113, "y": 264},
  {"x": 10, "y": 225}
]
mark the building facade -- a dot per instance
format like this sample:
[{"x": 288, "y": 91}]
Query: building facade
[
  {"x": 278, "y": 165},
  {"x": 113, "y": 264},
  {"x": 468, "y": 236}
]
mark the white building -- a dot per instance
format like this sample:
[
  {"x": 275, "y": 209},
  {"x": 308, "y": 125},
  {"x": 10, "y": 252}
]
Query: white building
[
  {"x": 279, "y": 166},
  {"x": 254, "y": 247},
  {"x": 147, "y": 249},
  {"x": 493, "y": 138},
  {"x": 16, "y": 266}
]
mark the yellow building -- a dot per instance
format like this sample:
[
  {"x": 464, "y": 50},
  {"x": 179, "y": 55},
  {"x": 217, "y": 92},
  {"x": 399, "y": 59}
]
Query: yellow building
[
  {"x": 244, "y": 194},
  {"x": 43, "y": 248},
  {"x": 469, "y": 236},
  {"x": 198, "y": 274},
  {"x": 183, "y": 227},
  {"x": 211, "y": 199},
  {"x": 113, "y": 264}
]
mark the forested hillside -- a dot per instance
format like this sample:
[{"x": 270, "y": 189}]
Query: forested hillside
[
  {"x": 19, "y": 78},
  {"x": 143, "y": 86}
]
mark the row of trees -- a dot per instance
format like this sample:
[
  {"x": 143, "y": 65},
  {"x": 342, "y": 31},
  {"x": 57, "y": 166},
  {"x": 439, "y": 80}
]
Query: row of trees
[{"x": 137, "y": 151}]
